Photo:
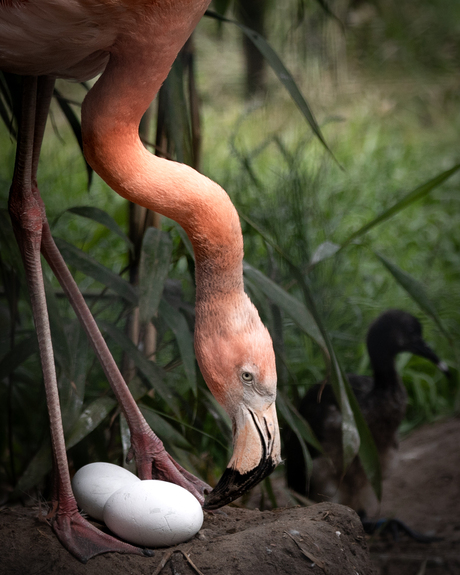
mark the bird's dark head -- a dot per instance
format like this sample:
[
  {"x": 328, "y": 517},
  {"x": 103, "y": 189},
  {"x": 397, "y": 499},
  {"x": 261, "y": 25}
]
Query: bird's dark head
[
  {"x": 396, "y": 331},
  {"x": 236, "y": 357}
]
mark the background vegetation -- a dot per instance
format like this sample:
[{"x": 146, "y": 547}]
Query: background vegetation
[{"x": 330, "y": 240}]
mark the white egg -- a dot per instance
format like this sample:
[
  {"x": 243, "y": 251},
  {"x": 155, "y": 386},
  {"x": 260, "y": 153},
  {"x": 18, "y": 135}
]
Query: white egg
[
  {"x": 94, "y": 483},
  {"x": 153, "y": 513}
]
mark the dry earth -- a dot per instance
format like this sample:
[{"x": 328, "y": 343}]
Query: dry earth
[
  {"x": 423, "y": 491},
  {"x": 323, "y": 538}
]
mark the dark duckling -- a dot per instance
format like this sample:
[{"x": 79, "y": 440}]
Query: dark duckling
[{"x": 382, "y": 399}]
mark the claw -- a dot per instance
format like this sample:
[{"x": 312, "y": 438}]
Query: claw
[{"x": 85, "y": 541}]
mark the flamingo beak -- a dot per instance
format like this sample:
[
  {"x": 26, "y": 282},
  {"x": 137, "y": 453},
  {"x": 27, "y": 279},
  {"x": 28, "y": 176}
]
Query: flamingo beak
[{"x": 256, "y": 453}]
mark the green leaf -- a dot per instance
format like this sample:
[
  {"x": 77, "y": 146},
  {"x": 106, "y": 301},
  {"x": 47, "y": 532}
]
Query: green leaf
[
  {"x": 222, "y": 5},
  {"x": 138, "y": 388},
  {"x": 173, "y": 112},
  {"x": 61, "y": 348},
  {"x": 295, "y": 309},
  {"x": 41, "y": 463},
  {"x": 72, "y": 381},
  {"x": 300, "y": 428},
  {"x": 76, "y": 128},
  {"x": 125, "y": 435},
  {"x": 368, "y": 453},
  {"x": 91, "y": 267},
  {"x": 178, "y": 325},
  {"x": 153, "y": 271},
  {"x": 165, "y": 431},
  {"x": 89, "y": 419},
  {"x": 147, "y": 401},
  {"x": 266, "y": 238},
  {"x": 5, "y": 115},
  {"x": 102, "y": 217},
  {"x": 328, "y": 249},
  {"x": 324, "y": 251},
  {"x": 413, "y": 196},
  {"x": 310, "y": 323},
  {"x": 39, "y": 466},
  {"x": 281, "y": 71},
  {"x": 327, "y": 9},
  {"x": 293, "y": 417},
  {"x": 350, "y": 432},
  {"x": 415, "y": 290},
  {"x": 18, "y": 355},
  {"x": 184, "y": 237},
  {"x": 219, "y": 414},
  {"x": 9, "y": 248},
  {"x": 356, "y": 436},
  {"x": 11, "y": 95},
  {"x": 153, "y": 374}
]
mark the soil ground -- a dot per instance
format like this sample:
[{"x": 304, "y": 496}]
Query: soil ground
[
  {"x": 323, "y": 538},
  {"x": 423, "y": 491}
]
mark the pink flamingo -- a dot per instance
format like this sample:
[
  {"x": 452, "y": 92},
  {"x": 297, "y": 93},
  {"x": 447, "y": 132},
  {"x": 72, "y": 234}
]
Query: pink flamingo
[{"x": 133, "y": 44}]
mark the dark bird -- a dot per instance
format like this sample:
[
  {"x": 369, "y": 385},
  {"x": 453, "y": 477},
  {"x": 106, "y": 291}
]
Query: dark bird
[{"x": 382, "y": 400}]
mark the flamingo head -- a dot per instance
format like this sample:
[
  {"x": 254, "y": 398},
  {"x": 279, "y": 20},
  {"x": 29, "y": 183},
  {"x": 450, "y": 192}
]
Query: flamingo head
[{"x": 236, "y": 357}]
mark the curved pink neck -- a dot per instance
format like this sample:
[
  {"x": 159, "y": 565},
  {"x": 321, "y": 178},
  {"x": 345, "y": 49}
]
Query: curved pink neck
[{"x": 111, "y": 114}]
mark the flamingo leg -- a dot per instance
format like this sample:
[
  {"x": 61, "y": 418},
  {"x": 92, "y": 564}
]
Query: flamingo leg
[
  {"x": 152, "y": 460},
  {"x": 81, "y": 538}
]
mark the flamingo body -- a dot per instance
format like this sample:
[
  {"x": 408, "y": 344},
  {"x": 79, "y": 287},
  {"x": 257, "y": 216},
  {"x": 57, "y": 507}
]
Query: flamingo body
[
  {"x": 63, "y": 40},
  {"x": 133, "y": 44}
]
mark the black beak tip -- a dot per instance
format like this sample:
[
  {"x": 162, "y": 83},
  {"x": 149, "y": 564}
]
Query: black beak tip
[
  {"x": 229, "y": 488},
  {"x": 234, "y": 484},
  {"x": 212, "y": 503}
]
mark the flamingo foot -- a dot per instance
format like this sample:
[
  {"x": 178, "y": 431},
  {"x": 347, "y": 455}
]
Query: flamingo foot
[
  {"x": 154, "y": 462},
  {"x": 197, "y": 484},
  {"x": 85, "y": 541}
]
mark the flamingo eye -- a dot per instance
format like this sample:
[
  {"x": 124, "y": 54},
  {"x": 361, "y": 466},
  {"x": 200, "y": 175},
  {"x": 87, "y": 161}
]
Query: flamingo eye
[{"x": 247, "y": 377}]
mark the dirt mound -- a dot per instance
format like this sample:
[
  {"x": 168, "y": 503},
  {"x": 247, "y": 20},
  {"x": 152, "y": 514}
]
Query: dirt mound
[
  {"x": 423, "y": 490},
  {"x": 324, "y": 538}
]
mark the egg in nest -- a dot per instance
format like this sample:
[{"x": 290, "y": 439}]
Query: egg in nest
[{"x": 148, "y": 513}]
